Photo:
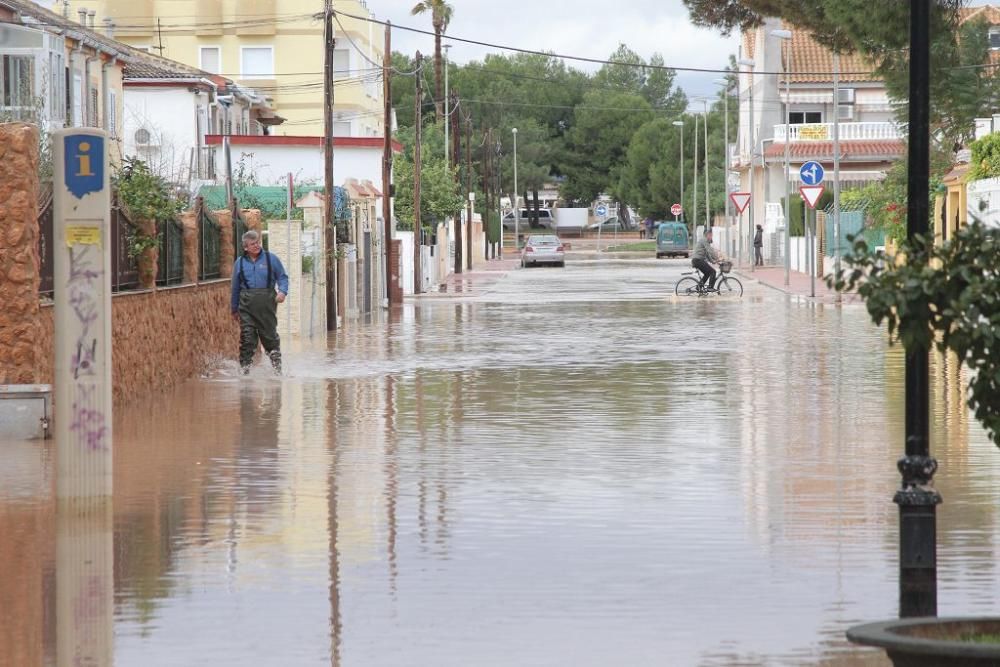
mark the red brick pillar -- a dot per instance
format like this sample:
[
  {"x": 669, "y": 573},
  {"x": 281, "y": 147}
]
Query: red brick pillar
[
  {"x": 20, "y": 323},
  {"x": 227, "y": 249},
  {"x": 254, "y": 220},
  {"x": 192, "y": 258}
]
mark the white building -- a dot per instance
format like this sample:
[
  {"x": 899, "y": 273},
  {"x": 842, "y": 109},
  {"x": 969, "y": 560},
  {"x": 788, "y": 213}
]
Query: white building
[
  {"x": 170, "y": 109},
  {"x": 870, "y": 140}
]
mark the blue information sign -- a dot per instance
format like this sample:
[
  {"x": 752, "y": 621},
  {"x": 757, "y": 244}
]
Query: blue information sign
[
  {"x": 84, "y": 170},
  {"x": 601, "y": 209},
  {"x": 812, "y": 173}
]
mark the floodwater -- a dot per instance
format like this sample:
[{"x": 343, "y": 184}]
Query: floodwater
[{"x": 566, "y": 467}]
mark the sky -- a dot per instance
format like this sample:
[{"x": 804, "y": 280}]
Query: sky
[{"x": 579, "y": 28}]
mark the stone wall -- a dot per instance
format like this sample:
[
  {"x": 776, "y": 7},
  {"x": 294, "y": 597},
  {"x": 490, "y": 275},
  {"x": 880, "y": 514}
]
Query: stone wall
[
  {"x": 160, "y": 338},
  {"x": 19, "y": 260}
]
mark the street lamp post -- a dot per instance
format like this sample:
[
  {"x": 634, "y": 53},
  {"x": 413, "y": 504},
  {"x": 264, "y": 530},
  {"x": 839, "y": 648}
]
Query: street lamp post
[
  {"x": 517, "y": 208},
  {"x": 725, "y": 177},
  {"x": 680, "y": 124},
  {"x": 787, "y": 35},
  {"x": 747, "y": 62}
]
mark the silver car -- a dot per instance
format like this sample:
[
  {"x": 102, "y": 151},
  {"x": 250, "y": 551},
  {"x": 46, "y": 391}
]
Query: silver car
[{"x": 543, "y": 249}]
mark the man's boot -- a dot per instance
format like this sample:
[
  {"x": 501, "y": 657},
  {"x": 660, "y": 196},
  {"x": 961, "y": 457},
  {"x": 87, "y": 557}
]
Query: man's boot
[{"x": 275, "y": 356}]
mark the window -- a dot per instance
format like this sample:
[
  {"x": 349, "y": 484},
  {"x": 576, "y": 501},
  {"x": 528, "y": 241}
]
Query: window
[
  {"x": 995, "y": 38},
  {"x": 111, "y": 116},
  {"x": 92, "y": 108},
  {"x": 805, "y": 117},
  {"x": 341, "y": 63},
  {"x": 210, "y": 59},
  {"x": 342, "y": 129},
  {"x": 257, "y": 62},
  {"x": 845, "y": 112},
  {"x": 17, "y": 83},
  {"x": 57, "y": 85}
]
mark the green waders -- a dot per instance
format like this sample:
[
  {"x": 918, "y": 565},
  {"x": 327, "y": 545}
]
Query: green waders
[{"x": 259, "y": 320}]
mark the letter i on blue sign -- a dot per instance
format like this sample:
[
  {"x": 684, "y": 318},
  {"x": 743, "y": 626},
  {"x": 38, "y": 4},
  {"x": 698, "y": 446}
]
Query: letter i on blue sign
[{"x": 84, "y": 168}]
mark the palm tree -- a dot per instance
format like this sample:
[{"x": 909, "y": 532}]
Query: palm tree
[{"x": 441, "y": 13}]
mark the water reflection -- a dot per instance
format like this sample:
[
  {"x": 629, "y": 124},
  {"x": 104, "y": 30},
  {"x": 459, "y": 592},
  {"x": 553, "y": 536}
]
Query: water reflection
[{"x": 528, "y": 476}]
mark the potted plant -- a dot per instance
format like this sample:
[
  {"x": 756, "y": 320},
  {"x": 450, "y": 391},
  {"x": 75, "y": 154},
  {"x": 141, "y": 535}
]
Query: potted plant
[
  {"x": 150, "y": 202},
  {"x": 945, "y": 296}
]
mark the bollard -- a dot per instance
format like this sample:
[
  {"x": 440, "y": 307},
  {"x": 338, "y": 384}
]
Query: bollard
[{"x": 82, "y": 268}]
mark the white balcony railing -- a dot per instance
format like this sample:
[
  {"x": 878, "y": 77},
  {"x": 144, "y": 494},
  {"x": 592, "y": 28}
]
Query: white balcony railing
[{"x": 848, "y": 132}]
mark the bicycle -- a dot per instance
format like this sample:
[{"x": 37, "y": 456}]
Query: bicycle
[{"x": 726, "y": 285}]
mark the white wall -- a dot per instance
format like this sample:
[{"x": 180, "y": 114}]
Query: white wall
[
  {"x": 271, "y": 164},
  {"x": 169, "y": 114},
  {"x": 983, "y": 201}
]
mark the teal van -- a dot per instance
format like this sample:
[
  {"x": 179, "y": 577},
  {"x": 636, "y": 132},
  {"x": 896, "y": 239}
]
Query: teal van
[{"x": 672, "y": 240}]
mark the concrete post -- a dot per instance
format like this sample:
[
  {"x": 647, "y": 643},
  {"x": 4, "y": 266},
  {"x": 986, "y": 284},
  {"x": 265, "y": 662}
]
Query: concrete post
[
  {"x": 83, "y": 407},
  {"x": 20, "y": 326}
]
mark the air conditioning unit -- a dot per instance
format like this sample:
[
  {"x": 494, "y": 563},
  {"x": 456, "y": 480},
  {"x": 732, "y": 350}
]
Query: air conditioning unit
[
  {"x": 144, "y": 138},
  {"x": 846, "y": 95}
]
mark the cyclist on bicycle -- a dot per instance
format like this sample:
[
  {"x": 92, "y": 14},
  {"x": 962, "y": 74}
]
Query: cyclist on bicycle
[{"x": 703, "y": 258}]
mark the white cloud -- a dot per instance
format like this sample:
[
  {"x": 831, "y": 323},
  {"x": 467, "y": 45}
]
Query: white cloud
[{"x": 587, "y": 28}]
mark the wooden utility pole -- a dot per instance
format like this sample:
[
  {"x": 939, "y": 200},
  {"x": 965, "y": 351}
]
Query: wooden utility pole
[
  {"x": 486, "y": 206},
  {"x": 330, "y": 232},
  {"x": 468, "y": 189},
  {"x": 456, "y": 138},
  {"x": 391, "y": 271},
  {"x": 416, "y": 175}
]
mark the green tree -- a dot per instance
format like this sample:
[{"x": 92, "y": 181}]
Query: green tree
[
  {"x": 441, "y": 14},
  {"x": 659, "y": 90},
  {"x": 440, "y": 196},
  {"x": 598, "y": 141}
]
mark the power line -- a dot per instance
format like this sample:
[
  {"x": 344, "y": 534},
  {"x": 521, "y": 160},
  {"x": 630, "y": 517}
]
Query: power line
[{"x": 585, "y": 59}]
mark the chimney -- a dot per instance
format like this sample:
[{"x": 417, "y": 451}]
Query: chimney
[
  {"x": 92, "y": 14},
  {"x": 65, "y": 9},
  {"x": 109, "y": 27},
  {"x": 82, "y": 13}
]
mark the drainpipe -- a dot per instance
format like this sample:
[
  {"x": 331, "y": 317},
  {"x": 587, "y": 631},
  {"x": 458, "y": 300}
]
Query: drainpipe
[
  {"x": 105, "y": 96},
  {"x": 86, "y": 88}
]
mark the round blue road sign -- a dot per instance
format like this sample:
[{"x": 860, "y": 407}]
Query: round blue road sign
[
  {"x": 601, "y": 209},
  {"x": 811, "y": 173}
]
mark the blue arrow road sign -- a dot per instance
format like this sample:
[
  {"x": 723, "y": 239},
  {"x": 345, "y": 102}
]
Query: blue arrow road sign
[
  {"x": 811, "y": 173},
  {"x": 601, "y": 209}
]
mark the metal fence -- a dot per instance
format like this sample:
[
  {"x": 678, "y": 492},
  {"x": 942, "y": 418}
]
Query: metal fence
[
  {"x": 852, "y": 224},
  {"x": 124, "y": 267},
  {"x": 209, "y": 242},
  {"x": 171, "y": 261}
]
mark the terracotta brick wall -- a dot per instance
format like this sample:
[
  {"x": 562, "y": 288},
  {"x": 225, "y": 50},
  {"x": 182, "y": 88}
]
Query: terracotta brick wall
[
  {"x": 160, "y": 338},
  {"x": 19, "y": 261}
]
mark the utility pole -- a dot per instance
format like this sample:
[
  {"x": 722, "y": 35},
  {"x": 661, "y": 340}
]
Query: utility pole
[
  {"x": 917, "y": 498},
  {"x": 694, "y": 194},
  {"x": 417, "y": 231},
  {"x": 459, "y": 263},
  {"x": 486, "y": 205},
  {"x": 391, "y": 276},
  {"x": 447, "y": 111},
  {"x": 708, "y": 218},
  {"x": 331, "y": 203},
  {"x": 468, "y": 190},
  {"x": 836, "y": 168}
]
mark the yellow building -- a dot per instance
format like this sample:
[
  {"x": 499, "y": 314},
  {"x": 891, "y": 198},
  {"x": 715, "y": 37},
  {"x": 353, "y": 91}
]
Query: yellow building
[{"x": 273, "y": 46}]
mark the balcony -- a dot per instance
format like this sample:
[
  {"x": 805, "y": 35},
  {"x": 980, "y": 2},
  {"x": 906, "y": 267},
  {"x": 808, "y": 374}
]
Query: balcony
[{"x": 848, "y": 132}]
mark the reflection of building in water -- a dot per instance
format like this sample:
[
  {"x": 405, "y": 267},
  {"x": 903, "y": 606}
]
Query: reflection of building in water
[{"x": 815, "y": 434}]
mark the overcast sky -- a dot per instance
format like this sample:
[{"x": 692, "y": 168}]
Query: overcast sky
[{"x": 588, "y": 28}]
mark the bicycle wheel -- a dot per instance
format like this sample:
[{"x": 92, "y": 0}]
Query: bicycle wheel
[
  {"x": 686, "y": 286},
  {"x": 729, "y": 286}
]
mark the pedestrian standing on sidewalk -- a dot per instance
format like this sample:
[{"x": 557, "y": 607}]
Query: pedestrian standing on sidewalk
[
  {"x": 758, "y": 246},
  {"x": 259, "y": 285}
]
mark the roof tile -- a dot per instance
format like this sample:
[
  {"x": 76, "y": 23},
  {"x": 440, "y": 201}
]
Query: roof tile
[{"x": 857, "y": 150}]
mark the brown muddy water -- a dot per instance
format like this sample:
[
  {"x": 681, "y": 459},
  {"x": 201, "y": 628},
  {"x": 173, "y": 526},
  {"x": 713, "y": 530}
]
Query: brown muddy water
[{"x": 561, "y": 467}]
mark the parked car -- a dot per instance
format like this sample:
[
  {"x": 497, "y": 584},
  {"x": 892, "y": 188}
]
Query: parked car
[
  {"x": 609, "y": 225},
  {"x": 545, "y": 219},
  {"x": 543, "y": 249},
  {"x": 672, "y": 239}
]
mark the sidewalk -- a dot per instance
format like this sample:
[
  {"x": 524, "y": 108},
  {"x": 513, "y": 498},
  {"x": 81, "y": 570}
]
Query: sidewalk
[
  {"x": 799, "y": 285},
  {"x": 477, "y": 280}
]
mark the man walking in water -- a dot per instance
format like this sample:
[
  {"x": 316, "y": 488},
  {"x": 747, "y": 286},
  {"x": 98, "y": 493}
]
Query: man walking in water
[{"x": 254, "y": 301}]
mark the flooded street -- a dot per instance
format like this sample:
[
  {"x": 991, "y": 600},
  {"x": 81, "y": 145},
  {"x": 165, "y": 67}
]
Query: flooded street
[{"x": 560, "y": 467}]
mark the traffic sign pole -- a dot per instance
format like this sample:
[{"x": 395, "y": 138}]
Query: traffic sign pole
[{"x": 741, "y": 200}]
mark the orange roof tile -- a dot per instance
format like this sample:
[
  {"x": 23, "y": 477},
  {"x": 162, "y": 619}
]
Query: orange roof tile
[{"x": 813, "y": 62}]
